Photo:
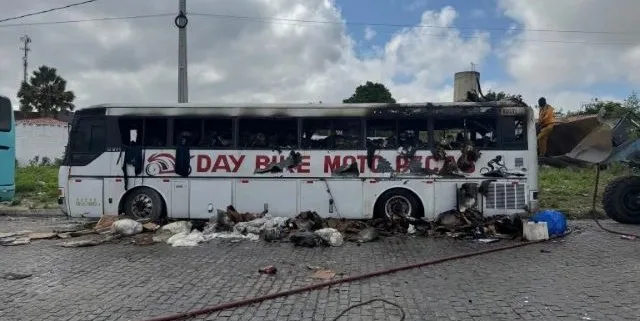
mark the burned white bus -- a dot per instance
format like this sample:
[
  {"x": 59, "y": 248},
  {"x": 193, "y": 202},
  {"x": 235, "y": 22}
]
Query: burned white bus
[{"x": 354, "y": 161}]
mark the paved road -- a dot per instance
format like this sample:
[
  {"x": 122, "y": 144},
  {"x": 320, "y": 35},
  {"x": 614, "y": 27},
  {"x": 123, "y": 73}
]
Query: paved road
[{"x": 590, "y": 275}]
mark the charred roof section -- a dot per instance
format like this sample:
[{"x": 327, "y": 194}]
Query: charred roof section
[{"x": 505, "y": 107}]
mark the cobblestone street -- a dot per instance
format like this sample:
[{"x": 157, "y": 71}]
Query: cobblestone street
[{"x": 589, "y": 275}]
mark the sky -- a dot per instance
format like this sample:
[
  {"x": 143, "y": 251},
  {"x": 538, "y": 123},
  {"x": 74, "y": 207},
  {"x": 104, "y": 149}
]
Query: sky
[{"x": 272, "y": 51}]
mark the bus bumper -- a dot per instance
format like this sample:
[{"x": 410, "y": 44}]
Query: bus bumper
[{"x": 7, "y": 193}]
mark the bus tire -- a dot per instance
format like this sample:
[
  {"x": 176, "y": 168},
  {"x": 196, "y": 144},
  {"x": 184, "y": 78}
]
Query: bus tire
[
  {"x": 398, "y": 202},
  {"x": 621, "y": 200},
  {"x": 144, "y": 202}
]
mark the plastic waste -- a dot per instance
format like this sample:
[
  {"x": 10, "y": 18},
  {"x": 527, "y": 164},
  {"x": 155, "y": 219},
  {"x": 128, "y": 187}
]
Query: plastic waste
[
  {"x": 331, "y": 236},
  {"x": 556, "y": 221},
  {"x": 178, "y": 227},
  {"x": 184, "y": 239},
  {"x": 532, "y": 231},
  {"x": 127, "y": 226}
]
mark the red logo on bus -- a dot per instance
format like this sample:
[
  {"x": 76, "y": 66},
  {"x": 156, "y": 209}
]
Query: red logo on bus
[{"x": 161, "y": 163}]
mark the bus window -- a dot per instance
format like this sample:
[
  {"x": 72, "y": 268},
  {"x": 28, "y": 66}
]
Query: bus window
[
  {"x": 452, "y": 133},
  {"x": 129, "y": 126},
  {"x": 265, "y": 133},
  {"x": 513, "y": 133},
  {"x": 414, "y": 132},
  {"x": 382, "y": 133},
  {"x": 89, "y": 136},
  {"x": 5, "y": 117},
  {"x": 155, "y": 132},
  {"x": 188, "y": 128},
  {"x": 339, "y": 134},
  {"x": 217, "y": 133}
]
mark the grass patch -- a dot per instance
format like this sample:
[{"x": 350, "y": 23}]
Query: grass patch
[
  {"x": 36, "y": 187},
  {"x": 569, "y": 190}
]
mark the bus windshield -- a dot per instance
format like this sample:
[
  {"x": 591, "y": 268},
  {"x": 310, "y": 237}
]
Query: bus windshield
[{"x": 5, "y": 115}]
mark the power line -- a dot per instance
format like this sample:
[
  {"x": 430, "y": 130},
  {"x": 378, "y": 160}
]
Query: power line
[
  {"x": 48, "y": 10},
  {"x": 9, "y": 25},
  {"x": 305, "y": 23},
  {"x": 409, "y": 25}
]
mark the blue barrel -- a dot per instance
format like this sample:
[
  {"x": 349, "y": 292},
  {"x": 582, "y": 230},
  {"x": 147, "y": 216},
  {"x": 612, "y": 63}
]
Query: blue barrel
[{"x": 556, "y": 221}]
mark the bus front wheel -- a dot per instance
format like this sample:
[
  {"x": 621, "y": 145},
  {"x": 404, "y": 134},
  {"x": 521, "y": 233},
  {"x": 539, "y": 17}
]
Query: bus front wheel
[
  {"x": 144, "y": 203},
  {"x": 397, "y": 203}
]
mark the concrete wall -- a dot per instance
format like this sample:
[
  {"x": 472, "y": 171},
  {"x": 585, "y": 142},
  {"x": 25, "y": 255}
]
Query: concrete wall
[{"x": 42, "y": 138}]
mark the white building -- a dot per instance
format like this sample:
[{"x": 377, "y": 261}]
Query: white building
[{"x": 41, "y": 137}]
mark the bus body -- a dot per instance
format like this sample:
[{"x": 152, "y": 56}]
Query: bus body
[
  {"x": 7, "y": 150},
  {"x": 231, "y": 151}
]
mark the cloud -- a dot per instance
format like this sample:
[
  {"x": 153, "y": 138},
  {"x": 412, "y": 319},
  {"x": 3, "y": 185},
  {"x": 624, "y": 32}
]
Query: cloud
[
  {"x": 369, "y": 33},
  {"x": 558, "y": 64},
  {"x": 232, "y": 59}
]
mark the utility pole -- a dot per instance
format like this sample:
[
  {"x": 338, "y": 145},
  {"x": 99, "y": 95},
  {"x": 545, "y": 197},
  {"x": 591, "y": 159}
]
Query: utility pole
[
  {"x": 26, "y": 40},
  {"x": 181, "y": 22}
]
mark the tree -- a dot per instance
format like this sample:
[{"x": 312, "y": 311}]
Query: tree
[
  {"x": 46, "y": 93},
  {"x": 370, "y": 93},
  {"x": 495, "y": 96},
  {"x": 612, "y": 109}
]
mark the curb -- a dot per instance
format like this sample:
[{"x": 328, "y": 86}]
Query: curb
[{"x": 31, "y": 213}]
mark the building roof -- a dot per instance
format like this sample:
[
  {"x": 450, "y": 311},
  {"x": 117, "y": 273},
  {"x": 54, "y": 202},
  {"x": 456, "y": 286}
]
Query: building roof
[{"x": 44, "y": 121}]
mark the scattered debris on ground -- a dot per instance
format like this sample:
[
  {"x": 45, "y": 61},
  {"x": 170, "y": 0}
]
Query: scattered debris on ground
[
  {"x": 307, "y": 229},
  {"x": 268, "y": 270},
  {"x": 14, "y": 276},
  {"x": 324, "y": 274}
]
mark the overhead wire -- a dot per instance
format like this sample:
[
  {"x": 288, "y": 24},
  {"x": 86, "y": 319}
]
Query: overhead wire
[
  {"x": 47, "y": 10},
  {"x": 374, "y": 24},
  {"x": 307, "y": 22},
  {"x": 85, "y": 20}
]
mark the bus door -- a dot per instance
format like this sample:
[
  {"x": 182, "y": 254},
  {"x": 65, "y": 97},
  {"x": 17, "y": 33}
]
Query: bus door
[{"x": 88, "y": 166}]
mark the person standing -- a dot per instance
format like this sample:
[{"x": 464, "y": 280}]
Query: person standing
[{"x": 546, "y": 121}]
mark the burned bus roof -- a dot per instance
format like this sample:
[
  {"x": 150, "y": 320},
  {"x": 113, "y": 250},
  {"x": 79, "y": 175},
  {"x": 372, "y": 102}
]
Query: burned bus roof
[{"x": 505, "y": 107}]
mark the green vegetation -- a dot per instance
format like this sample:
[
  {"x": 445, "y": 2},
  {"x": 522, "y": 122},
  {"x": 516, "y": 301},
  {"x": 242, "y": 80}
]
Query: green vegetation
[
  {"x": 36, "y": 187},
  {"x": 569, "y": 190}
]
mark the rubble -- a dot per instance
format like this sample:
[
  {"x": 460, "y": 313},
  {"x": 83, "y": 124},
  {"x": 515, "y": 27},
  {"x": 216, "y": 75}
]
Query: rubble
[
  {"x": 330, "y": 236},
  {"x": 127, "y": 227},
  {"x": 15, "y": 276},
  {"x": 323, "y": 274}
]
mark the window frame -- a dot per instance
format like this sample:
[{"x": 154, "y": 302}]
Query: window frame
[
  {"x": 238, "y": 129},
  {"x": 362, "y": 132},
  {"x": 493, "y": 118}
]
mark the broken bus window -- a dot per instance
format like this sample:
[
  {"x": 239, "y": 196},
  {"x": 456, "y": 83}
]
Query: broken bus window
[
  {"x": 382, "y": 133},
  {"x": 336, "y": 134},
  {"x": 513, "y": 133},
  {"x": 127, "y": 125},
  {"x": 188, "y": 128},
  {"x": 155, "y": 132},
  {"x": 268, "y": 133},
  {"x": 414, "y": 133},
  {"x": 217, "y": 133},
  {"x": 453, "y": 132}
]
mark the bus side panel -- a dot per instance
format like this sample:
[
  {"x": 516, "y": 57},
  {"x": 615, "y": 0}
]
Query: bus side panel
[
  {"x": 426, "y": 192},
  {"x": 347, "y": 197},
  {"x": 209, "y": 195},
  {"x": 445, "y": 195},
  {"x": 278, "y": 196},
  {"x": 87, "y": 197},
  {"x": 314, "y": 197}
]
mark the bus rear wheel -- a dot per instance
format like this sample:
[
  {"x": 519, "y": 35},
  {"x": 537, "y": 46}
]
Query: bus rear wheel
[
  {"x": 144, "y": 203},
  {"x": 397, "y": 203}
]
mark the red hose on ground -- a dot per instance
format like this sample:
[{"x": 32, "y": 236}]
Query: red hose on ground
[{"x": 312, "y": 287}]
